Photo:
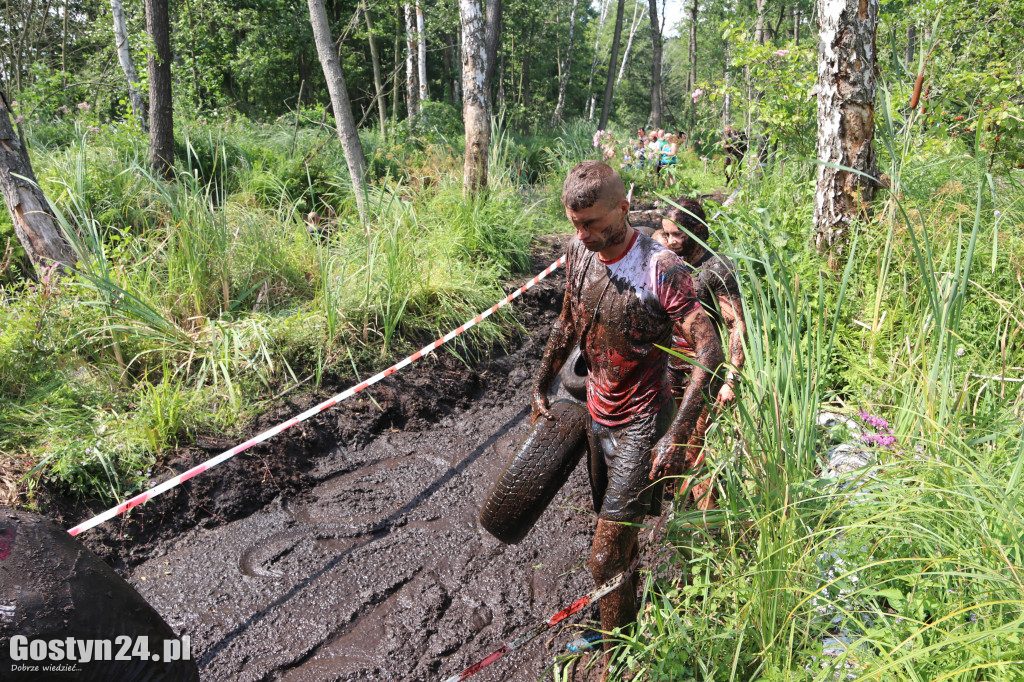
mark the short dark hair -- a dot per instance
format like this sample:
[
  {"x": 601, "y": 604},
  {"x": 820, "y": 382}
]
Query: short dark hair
[
  {"x": 590, "y": 182},
  {"x": 691, "y": 217}
]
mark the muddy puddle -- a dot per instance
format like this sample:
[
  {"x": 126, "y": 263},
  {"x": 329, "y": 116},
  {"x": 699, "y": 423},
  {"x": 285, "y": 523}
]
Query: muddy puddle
[{"x": 375, "y": 568}]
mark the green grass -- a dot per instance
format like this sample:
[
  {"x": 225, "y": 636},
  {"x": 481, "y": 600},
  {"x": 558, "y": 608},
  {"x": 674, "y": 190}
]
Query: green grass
[
  {"x": 196, "y": 301},
  {"x": 917, "y": 559}
]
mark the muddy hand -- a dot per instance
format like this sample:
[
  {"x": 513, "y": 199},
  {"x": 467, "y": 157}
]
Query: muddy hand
[
  {"x": 540, "y": 407},
  {"x": 669, "y": 459}
]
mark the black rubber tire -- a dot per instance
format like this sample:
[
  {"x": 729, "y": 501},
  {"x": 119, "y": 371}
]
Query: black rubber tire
[
  {"x": 539, "y": 469},
  {"x": 574, "y": 375},
  {"x": 53, "y": 587}
]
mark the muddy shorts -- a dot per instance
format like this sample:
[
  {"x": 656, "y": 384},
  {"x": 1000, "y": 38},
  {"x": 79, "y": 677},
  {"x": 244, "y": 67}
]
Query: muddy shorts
[{"x": 620, "y": 465}]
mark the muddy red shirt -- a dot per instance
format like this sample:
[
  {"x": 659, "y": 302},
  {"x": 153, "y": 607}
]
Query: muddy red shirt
[{"x": 622, "y": 309}]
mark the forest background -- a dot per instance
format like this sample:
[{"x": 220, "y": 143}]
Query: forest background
[{"x": 204, "y": 290}]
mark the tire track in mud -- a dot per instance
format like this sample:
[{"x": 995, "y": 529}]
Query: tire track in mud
[{"x": 379, "y": 571}]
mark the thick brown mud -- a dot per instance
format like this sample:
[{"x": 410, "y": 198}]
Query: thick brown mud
[{"x": 350, "y": 550}]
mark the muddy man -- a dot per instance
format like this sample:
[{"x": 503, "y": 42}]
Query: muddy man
[{"x": 625, "y": 294}]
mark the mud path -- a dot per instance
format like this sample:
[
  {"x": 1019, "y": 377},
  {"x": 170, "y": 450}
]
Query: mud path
[{"x": 373, "y": 566}]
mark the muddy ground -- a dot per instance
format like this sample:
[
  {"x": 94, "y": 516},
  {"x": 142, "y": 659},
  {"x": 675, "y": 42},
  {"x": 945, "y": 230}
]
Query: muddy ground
[{"x": 349, "y": 548}]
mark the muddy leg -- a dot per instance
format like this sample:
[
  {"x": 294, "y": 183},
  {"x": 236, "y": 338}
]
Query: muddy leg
[{"x": 613, "y": 550}]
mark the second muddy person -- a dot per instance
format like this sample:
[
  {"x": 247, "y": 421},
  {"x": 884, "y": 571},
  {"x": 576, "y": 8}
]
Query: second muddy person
[
  {"x": 625, "y": 295},
  {"x": 716, "y": 287}
]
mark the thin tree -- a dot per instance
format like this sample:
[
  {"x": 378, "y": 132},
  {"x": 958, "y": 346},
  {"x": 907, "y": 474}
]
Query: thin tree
[
  {"x": 412, "y": 93},
  {"x": 609, "y": 86},
  {"x": 421, "y": 52},
  {"x": 124, "y": 57},
  {"x": 33, "y": 220},
  {"x": 378, "y": 83},
  {"x": 593, "y": 62},
  {"x": 691, "y": 78},
  {"x": 475, "y": 100},
  {"x": 161, "y": 114},
  {"x": 639, "y": 9},
  {"x": 493, "y": 22},
  {"x": 565, "y": 68},
  {"x": 759, "y": 32},
  {"x": 655, "y": 66},
  {"x": 846, "y": 120},
  {"x": 346, "y": 124}
]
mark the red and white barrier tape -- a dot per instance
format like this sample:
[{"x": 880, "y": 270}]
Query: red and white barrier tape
[
  {"x": 596, "y": 595},
  {"x": 344, "y": 395}
]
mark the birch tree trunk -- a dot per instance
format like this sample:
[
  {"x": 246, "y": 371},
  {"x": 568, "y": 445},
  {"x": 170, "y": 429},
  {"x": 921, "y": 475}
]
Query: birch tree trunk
[
  {"x": 378, "y": 83},
  {"x": 124, "y": 57},
  {"x": 637, "y": 20},
  {"x": 421, "y": 45},
  {"x": 593, "y": 63},
  {"x": 846, "y": 124},
  {"x": 475, "y": 101},
  {"x": 609, "y": 86},
  {"x": 161, "y": 115},
  {"x": 412, "y": 93},
  {"x": 563, "y": 82},
  {"x": 759, "y": 35},
  {"x": 30, "y": 212},
  {"x": 346, "y": 124},
  {"x": 655, "y": 66}
]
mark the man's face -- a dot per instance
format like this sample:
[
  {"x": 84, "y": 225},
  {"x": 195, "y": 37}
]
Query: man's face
[
  {"x": 675, "y": 238},
  {"x": 600, "y": 226}
]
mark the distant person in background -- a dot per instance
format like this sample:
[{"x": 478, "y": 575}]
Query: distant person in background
[
  {"x": 669, "y": 150},
  {"x": 734, "y": 145},
  {"x": 718, "y": 291},
  {"x": 654, "y": 145}
]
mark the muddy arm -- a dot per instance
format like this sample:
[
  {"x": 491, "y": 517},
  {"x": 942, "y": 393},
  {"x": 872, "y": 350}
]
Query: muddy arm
[
  {"x": 669, "y": 453},
  {"x": 559, "y": 343},
  {"x": 732, "y": 313}
]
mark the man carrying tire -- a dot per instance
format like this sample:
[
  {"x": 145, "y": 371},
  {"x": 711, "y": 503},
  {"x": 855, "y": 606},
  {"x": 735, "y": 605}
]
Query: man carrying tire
[{"x": 624, "y": 296}]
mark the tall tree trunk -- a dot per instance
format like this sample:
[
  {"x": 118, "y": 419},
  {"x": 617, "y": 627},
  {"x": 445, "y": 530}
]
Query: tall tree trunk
[
  {"x": 378, "y": 83},
  {"x": 609, "y": 86},
  {"x": 421, "y": 45},
  {"x": 655, "y": 66},
  {"x": 527, "y": 86},
  {"x": 475, "y": 101},
  {"x": 492, "y": 40},
  {"x": 911, "y": 47},
  {"x": 124, "y": 57},
  {"x": 395, "y": 78},
  {"x": 691, "y": 77},
  {"x": 727, "y": 105},
  {"x": 593, "y": 63},
  {"x": 846, "y": 121},
  {"x": 449, "y": 70},
  {"x": 458, "y": 66},
  {"x": 33, "y": 220},
  {"x": 346, "y": 124},
  {"x": 563, "y": 82},
  {"x": 759, "y": 32},
  {"x": 161, "y": 115},
  {"x": 412, "y": 92},
  {"x": 796, "y": 24},
  {"x": 637, "y": 20}
]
